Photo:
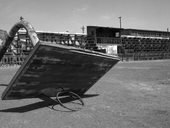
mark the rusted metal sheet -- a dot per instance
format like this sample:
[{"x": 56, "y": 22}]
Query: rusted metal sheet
[{"x": 52, "y": 66}]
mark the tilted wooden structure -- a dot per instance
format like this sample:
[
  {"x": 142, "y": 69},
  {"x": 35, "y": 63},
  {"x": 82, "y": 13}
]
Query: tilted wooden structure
[{"x": 52, "y": 69}]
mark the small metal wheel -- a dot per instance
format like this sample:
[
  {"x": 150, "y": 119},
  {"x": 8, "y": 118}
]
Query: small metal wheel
[{"x": 69, "y": 100}]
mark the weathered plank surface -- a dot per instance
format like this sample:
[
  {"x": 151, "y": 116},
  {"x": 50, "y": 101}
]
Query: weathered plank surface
[{"x": 51, "y": 66}]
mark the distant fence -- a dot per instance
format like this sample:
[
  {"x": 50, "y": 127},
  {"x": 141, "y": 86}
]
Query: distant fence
[
  {"x": 144, "y": 56},
  {"x": 9, "y": 60}
]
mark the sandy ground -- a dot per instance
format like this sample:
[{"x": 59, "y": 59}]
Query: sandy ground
[{"x": 130, "y": 95}]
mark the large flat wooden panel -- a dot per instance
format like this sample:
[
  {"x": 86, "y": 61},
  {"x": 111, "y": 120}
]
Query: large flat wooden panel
[{"x": 51, "y": 66}]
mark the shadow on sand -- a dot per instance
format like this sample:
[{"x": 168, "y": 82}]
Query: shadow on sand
[{"x": 46, "y": 102}]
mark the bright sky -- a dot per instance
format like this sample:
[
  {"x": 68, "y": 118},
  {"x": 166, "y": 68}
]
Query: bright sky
[{"x": 71, "y": 15}]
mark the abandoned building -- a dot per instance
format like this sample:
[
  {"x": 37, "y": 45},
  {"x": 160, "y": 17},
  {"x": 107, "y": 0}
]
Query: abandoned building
[{"x": 128, "y": 44}]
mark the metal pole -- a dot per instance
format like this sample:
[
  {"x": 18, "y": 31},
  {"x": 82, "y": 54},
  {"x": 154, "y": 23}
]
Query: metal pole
[
  {"x": 120, "y": 19},
  {"x": 83, "y": 29},
  {"x": 122, "y": 50}
]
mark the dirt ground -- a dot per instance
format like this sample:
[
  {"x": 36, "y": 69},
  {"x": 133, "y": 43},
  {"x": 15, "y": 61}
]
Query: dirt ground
[{"x": 130, "y": 95}]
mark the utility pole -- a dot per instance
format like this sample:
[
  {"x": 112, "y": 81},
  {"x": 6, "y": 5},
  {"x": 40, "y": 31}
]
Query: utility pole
[
  {"x": 83, "y": 29},
  {"x": 122, "y": 49},
  {"x": 120, "y": 20}
]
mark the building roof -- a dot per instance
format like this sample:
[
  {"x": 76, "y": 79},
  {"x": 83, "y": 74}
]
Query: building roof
[{"x": 131, "y": 29}]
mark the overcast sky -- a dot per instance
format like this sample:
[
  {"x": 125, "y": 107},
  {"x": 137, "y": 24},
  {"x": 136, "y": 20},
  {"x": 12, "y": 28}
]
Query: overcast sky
[{"x": 71, "y": 15}]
